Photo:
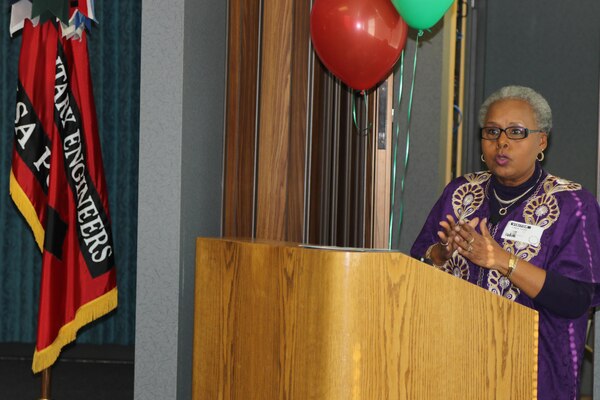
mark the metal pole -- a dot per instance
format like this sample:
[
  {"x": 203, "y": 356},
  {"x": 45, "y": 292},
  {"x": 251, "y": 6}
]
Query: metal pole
[{"x": 46, "y": 384}]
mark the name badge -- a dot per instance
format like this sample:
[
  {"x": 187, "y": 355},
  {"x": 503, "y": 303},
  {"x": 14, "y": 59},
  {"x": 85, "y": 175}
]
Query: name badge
[{"x": 521, "y": 232}]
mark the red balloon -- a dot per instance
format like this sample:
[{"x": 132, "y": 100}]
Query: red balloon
[{"x": 359, "y": 41}]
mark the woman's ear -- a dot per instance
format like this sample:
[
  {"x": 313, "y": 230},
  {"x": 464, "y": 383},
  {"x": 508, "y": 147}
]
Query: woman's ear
[{"x": 543, "y": 141}]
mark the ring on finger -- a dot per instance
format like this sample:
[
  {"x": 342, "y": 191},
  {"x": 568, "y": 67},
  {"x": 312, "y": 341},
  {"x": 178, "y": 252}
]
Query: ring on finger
[
  {"x": 471, "y": 240},
  {"x": 444, "y": 243},
  {"x": 470, "y": 248}
]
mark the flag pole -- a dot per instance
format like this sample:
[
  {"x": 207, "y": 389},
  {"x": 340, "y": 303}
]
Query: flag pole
[{"x": 45, "y": 384}]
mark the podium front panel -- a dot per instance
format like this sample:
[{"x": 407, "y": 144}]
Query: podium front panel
[{"x": 282, "y": 321}]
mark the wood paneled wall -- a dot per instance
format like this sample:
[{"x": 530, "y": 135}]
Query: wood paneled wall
[
  {"x": 282, "y": 122},
  {"x": 340, "y": 181},
  {"x": 266, "y": 123},
  {"x": 297, "y": 168},
  {"x": 241, "y": 117}
]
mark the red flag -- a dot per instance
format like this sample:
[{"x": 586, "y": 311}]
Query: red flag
[{"x": 57, "y": 182}]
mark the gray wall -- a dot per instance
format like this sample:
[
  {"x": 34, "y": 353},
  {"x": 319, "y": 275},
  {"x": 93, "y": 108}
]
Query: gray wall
[
  {"x": 181, "y": 141},
  {"x": 423, "y": 179},
  {"x": 556, "y": 50}
]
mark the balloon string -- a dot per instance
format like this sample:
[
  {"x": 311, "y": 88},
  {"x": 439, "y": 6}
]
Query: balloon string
[
  {"x": 365, "y": 131},
  {"x": 395, "y": 154},
  {"x": 406, "y": 154},
  {"x": 354, "y": 112},
  {"x": 368, "y": 124}
]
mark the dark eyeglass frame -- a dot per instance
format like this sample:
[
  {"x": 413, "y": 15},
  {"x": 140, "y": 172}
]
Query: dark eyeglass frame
[{"x": 508, "y": 132}]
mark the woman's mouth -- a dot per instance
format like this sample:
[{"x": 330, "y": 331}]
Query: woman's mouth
[{"x": 502, "y": 160}]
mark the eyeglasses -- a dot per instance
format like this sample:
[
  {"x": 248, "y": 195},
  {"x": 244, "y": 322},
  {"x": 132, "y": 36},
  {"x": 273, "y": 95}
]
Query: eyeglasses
[{"x": 512, "y": 132}]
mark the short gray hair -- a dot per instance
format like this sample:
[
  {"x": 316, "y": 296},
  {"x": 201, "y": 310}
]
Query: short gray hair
[{"x": 539, "y": 105}]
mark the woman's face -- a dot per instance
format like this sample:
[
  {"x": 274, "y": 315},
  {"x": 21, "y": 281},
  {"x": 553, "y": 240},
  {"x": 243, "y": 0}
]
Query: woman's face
[{"x": 512, "y": 161}]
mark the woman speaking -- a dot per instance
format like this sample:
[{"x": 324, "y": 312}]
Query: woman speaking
[{"x": 523, "y": 233}]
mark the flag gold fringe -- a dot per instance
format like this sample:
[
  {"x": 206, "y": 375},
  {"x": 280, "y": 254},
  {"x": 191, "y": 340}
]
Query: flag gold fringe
[
  {"x": 26, "y": 209},
  {"x": 96, "y": 308}
]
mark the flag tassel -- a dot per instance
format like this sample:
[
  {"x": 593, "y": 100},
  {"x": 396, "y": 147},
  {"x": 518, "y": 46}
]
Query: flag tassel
[{"x": 44, "y": 358}]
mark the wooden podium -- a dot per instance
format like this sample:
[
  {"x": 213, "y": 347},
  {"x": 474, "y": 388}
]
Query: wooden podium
[{"x": 282, "y": 321}]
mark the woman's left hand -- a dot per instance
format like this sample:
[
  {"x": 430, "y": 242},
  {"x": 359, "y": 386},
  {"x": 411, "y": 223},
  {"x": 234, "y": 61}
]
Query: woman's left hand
[{"x": 480, "y": 249}]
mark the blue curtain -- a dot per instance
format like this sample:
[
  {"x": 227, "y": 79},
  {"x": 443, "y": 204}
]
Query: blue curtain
[{"x": 114, "y": 47}]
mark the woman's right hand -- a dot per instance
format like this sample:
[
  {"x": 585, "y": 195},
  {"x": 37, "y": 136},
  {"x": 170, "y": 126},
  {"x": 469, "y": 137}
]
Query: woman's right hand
[
  {"x": 443, "y": 250},
  {"x": 449, "y": 241}
]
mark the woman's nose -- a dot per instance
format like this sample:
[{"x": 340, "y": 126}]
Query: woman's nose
[{"x": 502, "y": 140}]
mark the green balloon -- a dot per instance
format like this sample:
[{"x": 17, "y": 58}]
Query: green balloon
[{"x": 422, "y": 14}]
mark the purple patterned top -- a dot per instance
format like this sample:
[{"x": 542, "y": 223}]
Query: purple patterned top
[{"x": 569, "y": 245}]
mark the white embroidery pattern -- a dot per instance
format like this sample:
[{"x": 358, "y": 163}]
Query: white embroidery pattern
[
  {"x": 457, "y": 266},
  {"x": 468, "y": 197},
  {"x": 540, "y": 210}
]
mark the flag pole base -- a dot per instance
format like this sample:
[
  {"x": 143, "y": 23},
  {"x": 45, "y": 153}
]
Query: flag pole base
[{"x": 45, "y": 384}]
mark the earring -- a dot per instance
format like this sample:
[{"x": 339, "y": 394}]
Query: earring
[
  {"x": 482, "y": 158},
  {"x": 540, "y": 156}
]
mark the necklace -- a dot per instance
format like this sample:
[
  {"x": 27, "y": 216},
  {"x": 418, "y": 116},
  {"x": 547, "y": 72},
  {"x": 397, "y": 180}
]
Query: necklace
[{"x": 508, "y": 203}]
